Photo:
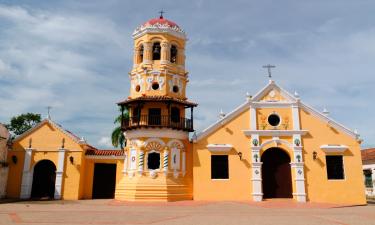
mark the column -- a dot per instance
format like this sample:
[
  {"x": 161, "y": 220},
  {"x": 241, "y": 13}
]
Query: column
[
  {"x": 27, "y": 175},
  {"x": 181, "y": 57},
  {"x": 165, "y": 53},
  {"x": 147, "y": 52},
  {"x": 256, "y": 172},
  {"x": 298, "y": 164},
  {"x": 183, "y": 162},
  {"x": 141, "y": 157},
  {"x": 253, "y": 118},
  {"x": 165, "y": 161},
  {"x": 125, "y": 168},
  {"x": 59, "y": 173}
]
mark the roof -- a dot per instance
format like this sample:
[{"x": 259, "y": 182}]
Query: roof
[
  {"x": 103, "y": 152},
  {"x": 157, "y": 98},
  {"x": 368, "y": 155},
  {"x": 72, "y": 136},
  {"x": 289, "y": 97},
  {"x": 162, "y": 21},
  {"x": 159, "y": 25}
]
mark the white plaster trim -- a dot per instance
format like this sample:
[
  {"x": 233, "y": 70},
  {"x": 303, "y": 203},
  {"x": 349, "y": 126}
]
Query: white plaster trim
[
  {"x": 59, "y": 173},
  {"x": 139, "y": 33},
  {"x": 280, "y": 104},
  {"x": 156, "y": 133},
  {"x": 55, "y": 125},
  {"x": 219, "y": 147},
  {"x": 275, "y": 133},
  {"x": 272, "y": 85},
  {"x": 276, "y": 141},
  {"x": 158, "y": 140},
  {"x": 169, "y": 144},
  {"x": 27, "y": 175},
  {"x": 334, "y": 148},
  {"x": 330, "y": 121},
  {"x": 223, "y": 121}
]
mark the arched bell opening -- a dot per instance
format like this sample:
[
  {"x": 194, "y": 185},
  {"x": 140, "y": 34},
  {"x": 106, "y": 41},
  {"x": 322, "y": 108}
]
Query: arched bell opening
[
  {"x": 44, "y": 177},
  {"x": 276, "y": 174}
]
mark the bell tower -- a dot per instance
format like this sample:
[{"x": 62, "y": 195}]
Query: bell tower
[{"x": 158, "y": 163}]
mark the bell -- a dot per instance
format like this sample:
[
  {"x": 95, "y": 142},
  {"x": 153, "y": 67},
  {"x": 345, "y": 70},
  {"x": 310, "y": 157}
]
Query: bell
[{"x": 156, "y": 49}]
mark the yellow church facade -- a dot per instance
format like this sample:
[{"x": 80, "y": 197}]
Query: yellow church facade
[{"x": 271, "y": 146}]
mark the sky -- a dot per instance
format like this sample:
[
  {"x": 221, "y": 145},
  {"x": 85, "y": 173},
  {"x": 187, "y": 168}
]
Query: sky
[{"x": 75, "y": 56}]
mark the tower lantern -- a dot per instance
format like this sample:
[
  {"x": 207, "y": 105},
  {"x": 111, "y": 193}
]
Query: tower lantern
[{"x": 159, "y": 117}]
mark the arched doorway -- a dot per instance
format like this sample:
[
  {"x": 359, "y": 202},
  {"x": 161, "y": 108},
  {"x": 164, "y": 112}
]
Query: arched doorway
[
  {"x": 276, "y": 174},
  {"x": 44, "y": 180}
]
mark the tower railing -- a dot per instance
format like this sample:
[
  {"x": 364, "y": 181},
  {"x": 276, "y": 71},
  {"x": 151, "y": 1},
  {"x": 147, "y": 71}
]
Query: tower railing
[{"x": 166, "y": 121}]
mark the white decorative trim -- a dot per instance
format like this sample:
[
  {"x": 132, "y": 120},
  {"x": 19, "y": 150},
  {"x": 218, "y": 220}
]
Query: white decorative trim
[
  {"x": 170, "y": 143},
  {"x": 219, "y": 147},
  {"x": 274, "y": 133},
  {"x": 295, "y": 114},
  {"x": 59, "y": 174},
  {"x": 159, "y": 28},
  {"x": 280, "y": 104},
  {"x": 334, "y": 148},
  {"x": 27, "y": 175},
  {"x": 158, "y": 140},
  {"x": 157, "y": 133},
  {"x": 253, "y": 118},
  {"x": 276, "y": 141}
]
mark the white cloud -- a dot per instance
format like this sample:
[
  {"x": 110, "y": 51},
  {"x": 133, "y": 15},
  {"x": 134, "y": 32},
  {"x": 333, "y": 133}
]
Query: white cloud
[{"x": 105, "y": 142}]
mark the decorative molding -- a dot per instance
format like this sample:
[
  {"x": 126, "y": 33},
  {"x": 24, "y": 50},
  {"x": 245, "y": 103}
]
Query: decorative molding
[
  {"x": 219, "y": 147},
  {"x": 176, "y": 143},
  {"x": 334, "y": 148},
  {"x": 157, "y": 133},
  {"x": 159, "y": 28},
  {"x": 274, "y": 133},
  {"x": 154, "y": 144}
]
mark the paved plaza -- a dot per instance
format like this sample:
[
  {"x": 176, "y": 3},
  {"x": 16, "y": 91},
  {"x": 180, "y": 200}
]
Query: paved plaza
[{"x": 189, "y": 212}]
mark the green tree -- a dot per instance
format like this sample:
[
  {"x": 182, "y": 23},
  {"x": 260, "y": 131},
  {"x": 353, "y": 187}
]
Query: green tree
[
  {"x": 118, "y": 138},
  {"x": 21, "y": 123}
]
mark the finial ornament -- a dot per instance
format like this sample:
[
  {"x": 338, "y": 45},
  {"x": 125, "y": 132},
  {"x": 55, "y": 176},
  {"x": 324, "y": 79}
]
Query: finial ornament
[
  {"x": 269, "y": 67},
  {"x": 161, "y": 14},
  {"x": 48, "y": 112}
]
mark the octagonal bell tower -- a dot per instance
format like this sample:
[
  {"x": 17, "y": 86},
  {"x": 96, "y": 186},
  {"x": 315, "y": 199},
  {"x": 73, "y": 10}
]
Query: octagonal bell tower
[{"x": 158, "y": 163}]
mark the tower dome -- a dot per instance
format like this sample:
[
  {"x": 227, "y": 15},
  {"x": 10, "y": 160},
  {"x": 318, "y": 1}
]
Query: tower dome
[{"x": 159, "y": 25}]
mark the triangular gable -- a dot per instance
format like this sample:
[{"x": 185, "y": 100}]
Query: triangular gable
[
  {"x": 273, "y": 93},
  {"x": 287, "y": 98},
  {"x": 54, "y": 125}
]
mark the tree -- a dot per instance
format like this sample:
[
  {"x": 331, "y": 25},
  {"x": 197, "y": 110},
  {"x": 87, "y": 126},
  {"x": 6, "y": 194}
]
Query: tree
[
  {"x": 21, "y": 123},
  {"x": 118, "y": 138}
]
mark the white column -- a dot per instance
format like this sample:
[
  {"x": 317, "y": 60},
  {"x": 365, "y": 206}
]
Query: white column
[
  {"x": 59, "y": 173},
  {"x": 27, "y": 175},
  {"x": 295, "y": 114},
  {"x": 125, "y": 168},
  {"x": 256, "y": 174},
  {"x": 165, "y": 161},
  {"x": 141, "y": 159},
  {"x": 299, "y": 177},
  {"x": 183, "y": 162}
]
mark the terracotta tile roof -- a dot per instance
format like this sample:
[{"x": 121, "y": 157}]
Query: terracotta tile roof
[
  {"x": 157, "y": 98},
  {"x": 368, "y": 155},
  {"x": 103, "y": 152}
]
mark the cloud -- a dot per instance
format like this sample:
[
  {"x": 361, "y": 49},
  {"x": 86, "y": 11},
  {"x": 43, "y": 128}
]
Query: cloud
[
  {"x": 105, "y": 142},
  {"x": 75, "y": 56}
]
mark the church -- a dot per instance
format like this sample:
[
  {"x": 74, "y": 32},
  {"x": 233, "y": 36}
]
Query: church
[{"x": 272, "y": 146}]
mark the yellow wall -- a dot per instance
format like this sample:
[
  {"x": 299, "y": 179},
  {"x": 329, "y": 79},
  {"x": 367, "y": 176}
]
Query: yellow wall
[
  {"x": 238, "y": 186},
  {"x": 318, "y": 187}
]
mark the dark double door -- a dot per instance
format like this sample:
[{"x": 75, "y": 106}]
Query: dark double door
[
  {"x": 276, "y": 174},
  {"x": 44, "y": 176},
  {"x": 104, "y": 183}
]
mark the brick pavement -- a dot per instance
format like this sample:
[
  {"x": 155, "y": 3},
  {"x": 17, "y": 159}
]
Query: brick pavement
[{"x": 181, "y": 213}]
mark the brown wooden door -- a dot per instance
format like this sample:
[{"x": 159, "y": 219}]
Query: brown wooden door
[{"x": 276, "y": 174}]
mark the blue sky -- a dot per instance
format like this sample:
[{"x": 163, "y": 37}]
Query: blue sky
[{"x": 75, "y": 56}]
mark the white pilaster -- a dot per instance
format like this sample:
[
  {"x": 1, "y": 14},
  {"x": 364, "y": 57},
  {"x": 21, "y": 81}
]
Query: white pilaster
[
  {"x": 253, "y": 118},
  {"x": 295, "y": 114},
  {"x": 27, "y": 175},
  {"x": 183, "y": 162},
  {"x": 256, "y": 174},
  {"x": 125, "y": 168},
  {"x": 59, "y": 173}
]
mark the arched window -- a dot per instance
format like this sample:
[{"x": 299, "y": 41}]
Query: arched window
[
  {"x": 173, "y": 54},
  {"x": 156, "y": 51},
  {"x": 175, "y": 114},
  {"x": 141, "y": 50},
  {"x": 153, "y": 161}
]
